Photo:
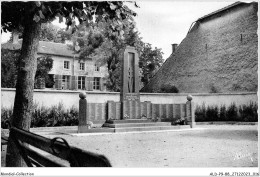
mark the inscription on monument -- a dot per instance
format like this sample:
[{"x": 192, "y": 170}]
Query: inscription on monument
[{"x": 131, "y": 96}]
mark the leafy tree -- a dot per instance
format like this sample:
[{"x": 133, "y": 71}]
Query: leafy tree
[
  {"x": 9, "y": 62},
  {"x": 49, "y": 32},
  {"x": 106, "y": 47},
  {"x": 150, "y": 61},
  {"x": 44, "y": 65},
  {"x": 9, "y": 68},
  {"x": 29, "y": 16}
]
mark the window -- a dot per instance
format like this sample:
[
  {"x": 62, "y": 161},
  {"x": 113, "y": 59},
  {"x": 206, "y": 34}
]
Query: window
[
  {"x": 96, "y": 83},
  {"x": 65, "y": 82},
  {"x": 97, "y": 68},
  {"x": 82, "y": 66},
  {"x": 81, "y": 82},
  {"x": 66, "y": 65}
]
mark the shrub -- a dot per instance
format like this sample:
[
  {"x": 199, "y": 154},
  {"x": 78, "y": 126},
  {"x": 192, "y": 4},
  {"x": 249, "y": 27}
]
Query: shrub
[
  {"x": 6, "y": 114},
  {"x": 212, "y": 113},
  {"x": 244, "y": 113},
  {"x": 167, "y": 88},
  {"x": 200, "y": 113},
  {"x": 213, "y": 89},
  {"x": 249, "y": 113},
  {"x": 46, "y": 117},
  {"x": 223, "y": 113},
  {"x": 232, "y": 113}
]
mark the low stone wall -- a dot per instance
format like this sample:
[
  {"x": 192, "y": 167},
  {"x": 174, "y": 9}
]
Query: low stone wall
[
  {"x": 100, "y": 112},
  {"x": 70, "y": 99},
  {"x": 148, "y": 110}
]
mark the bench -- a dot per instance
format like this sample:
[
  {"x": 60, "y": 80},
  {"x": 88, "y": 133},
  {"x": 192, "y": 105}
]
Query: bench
[{"x": 39, "y": 151}]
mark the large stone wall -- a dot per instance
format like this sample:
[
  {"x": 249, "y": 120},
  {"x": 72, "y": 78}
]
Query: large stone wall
[
  {"x": 69, "y": 98},
  {"x": 219, "y": 54}
]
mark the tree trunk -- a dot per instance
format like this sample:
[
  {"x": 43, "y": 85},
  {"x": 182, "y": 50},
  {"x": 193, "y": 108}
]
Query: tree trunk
[{"x": 23, "y": 103}]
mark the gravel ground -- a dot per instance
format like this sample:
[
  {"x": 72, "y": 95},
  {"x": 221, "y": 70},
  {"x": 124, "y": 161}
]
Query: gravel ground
[{"x": 206, "y": 146}]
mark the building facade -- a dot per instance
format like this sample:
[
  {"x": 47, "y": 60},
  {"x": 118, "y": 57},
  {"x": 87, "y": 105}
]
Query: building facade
[
  {"x": 219, "y": 54},
  {"x": 69, "y": 72}
]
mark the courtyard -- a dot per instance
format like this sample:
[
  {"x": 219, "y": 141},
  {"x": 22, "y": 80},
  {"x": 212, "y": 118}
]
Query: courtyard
[{"x": 204, "y": 146}]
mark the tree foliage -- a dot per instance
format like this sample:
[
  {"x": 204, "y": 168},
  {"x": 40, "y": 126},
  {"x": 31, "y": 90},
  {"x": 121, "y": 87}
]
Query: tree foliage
[
  {"x": 49, "y": 32},
  {"x": 9, "y": 63},
  {"x": 110, "y": 52},
  {"x": 106, "y": 46},
  {"x": 29, "y": 16},
  {"x": 9, "y": 67},
  {"x": 44, "y": 65},
  {"x": 150, "y": 61}
]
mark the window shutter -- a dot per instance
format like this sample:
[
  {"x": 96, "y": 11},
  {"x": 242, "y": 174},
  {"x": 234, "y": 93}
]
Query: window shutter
[
  {"x": 69, "y": 83},
  {"x": 89, "y": 83},
  {"x": 74, "y": 85},
  {"x": 102, "y": 84},
  {"x": 86, "y": 83},
  {"x": 58, "y": 80}
]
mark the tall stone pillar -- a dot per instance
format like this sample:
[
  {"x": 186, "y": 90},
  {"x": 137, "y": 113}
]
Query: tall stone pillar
[
  {"x": 82, "y": 113},
  {"x": 129, "y": 95},
  {"x": 190, "y": 112}
]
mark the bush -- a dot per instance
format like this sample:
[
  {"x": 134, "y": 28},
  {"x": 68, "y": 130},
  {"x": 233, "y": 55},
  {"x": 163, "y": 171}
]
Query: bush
[
  {"x": 46, "y": 117},
  {"x": 223, "y": 113},
  {"x": 212, "y": 113},
  {"x": 200, "y": 113},
  {"x": 167, "y": 88},
  {"x": 213, "y": 89},
  {"x": 243, "y": 113},
  {"x": 232, "y": 113},
  {"x": 249, "y": 113},
  {"x": 6, "y": 114}
]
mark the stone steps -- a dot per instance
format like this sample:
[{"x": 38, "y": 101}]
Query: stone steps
[
  {"x": 133, "y": 125},
  {"x": 135, "y": 129},
  {"x": 127, "y": 125},
  {"x": 152, "y": 128},
  {"x": 129, "y": 121}
]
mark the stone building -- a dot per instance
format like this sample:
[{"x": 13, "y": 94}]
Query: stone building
[
  {"x": 219, "y": 54},
  {"x": 68, "y": 72}
]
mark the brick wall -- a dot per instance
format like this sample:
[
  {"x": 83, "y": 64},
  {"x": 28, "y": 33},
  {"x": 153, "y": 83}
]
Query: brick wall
[{"x": 219, "y": 54}]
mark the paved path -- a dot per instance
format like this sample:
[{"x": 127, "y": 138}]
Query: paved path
[
  {"x": 208, "y": 146},
  {"x": 212, "y": 146}
]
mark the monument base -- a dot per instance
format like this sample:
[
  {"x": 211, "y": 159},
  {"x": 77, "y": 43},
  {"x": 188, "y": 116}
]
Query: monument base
[{"x": 131, "y": 109}]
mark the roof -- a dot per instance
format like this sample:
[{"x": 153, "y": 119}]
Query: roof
[
  {"x": 52, "y": 48},
  {"x": 45, "y": 47},
  {"x": 221, "y": 10},
  {"x": 217, "y": 12}
]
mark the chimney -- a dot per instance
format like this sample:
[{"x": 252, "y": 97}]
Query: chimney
[
  {"x": 15, "y": 37},
  {"x": 174, "y": 46}
]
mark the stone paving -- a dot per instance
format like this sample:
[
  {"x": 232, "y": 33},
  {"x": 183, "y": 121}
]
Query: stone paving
[{"x": 205, "y": 146}]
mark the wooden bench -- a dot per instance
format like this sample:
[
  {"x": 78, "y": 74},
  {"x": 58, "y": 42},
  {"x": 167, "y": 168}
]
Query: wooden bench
[{"x": 39, "y": 151}]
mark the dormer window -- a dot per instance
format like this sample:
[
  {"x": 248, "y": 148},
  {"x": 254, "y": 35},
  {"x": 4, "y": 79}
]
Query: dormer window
[
  {"x": 97, "y": 68},
  {"x": 66, "y": 65},
  {"x": 82, "y": 66}
]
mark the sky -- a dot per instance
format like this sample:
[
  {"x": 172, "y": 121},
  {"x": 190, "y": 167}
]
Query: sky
[{"x": 162, "y": 23}]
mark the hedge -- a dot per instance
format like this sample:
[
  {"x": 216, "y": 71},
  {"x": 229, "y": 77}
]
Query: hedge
[{"x": 242, "y": 113}]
